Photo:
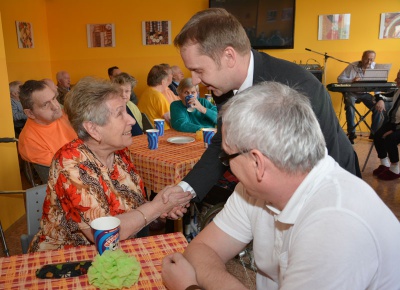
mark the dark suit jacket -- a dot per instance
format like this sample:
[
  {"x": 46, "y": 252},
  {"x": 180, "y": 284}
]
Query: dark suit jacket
[
  {"x": 267, "y": 68},
  {"x": 173, "y": 87}
]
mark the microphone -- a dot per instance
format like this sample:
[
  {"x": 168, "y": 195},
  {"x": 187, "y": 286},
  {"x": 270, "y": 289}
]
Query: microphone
[{"x": 308, "y": 49}]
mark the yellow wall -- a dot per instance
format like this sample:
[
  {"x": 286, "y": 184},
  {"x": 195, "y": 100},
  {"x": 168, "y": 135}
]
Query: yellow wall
[
  {"x": 61, "y": 41},
  {"x": 68, "y": 43},
  {"x": 25, "y": 64},
  {"x": 12, "y": 206}
]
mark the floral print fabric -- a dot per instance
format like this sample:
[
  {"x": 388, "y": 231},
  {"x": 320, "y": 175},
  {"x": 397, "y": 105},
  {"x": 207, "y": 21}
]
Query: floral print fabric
[{"x": 81, "y": 189}]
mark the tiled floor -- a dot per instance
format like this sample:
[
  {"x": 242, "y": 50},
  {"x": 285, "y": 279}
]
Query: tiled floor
[{"x": 389, "y": 191}]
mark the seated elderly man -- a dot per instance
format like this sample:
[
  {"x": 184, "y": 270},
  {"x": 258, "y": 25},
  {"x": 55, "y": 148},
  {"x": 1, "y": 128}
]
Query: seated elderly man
[
  {"x": 47, "y": 127},
  {"x": 152, "y": 102},
  {"x": 93, "y": 176},
  {"x": 19, "y": 117},
  {"x": 63, "y": 85},
  {"x": 313, "y": 224},
  {"x": 177, "y": 76}
]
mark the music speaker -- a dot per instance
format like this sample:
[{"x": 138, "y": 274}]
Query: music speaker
[
  {"x": 317, "y": 74},
  {"x": 315, "y": 69}
]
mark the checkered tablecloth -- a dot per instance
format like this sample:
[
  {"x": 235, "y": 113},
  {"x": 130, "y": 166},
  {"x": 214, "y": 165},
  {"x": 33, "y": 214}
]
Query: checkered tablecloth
[
  {"x": 168, "y": 164},
  {"x": 18, "y": 272}
]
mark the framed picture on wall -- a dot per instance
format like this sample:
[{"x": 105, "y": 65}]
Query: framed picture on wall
[
  {"x": 334, "y": 27},
  {"x": 156, "y": 32},
  {"x": 390, "y": 25},
  {"x": 101, "y": 35},
  {"x": 25, "y": 34}
]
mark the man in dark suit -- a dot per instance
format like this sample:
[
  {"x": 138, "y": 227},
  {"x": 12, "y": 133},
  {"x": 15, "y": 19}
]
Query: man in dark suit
[
  {"x": 215, "y": 48},
  {"x": 177, "y": 76}
]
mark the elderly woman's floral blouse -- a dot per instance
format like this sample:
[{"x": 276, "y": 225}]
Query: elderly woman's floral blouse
[{"x": 81, "y": 189}]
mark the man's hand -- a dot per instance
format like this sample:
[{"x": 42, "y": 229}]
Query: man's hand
[
  {"x": 168, "y": 190},
  {"x": 177, "y": 272},
  {"x": 387, "y": 133},
  {"x": 380, "y": 106},
  {"x": 176, "y": 212}
]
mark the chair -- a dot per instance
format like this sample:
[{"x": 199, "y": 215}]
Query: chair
[
  {"x": 42, "y": 171},
  {"x": 146, "y": 123},
  {"x": 34, "y": 208}
]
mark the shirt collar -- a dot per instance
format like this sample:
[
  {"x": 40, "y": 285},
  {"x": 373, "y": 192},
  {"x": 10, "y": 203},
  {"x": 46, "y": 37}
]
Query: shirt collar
[
  {"x": 300, "y": 197},
  {"x": 248, "y": 82}
]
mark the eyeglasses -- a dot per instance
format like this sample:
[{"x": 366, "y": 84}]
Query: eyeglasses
[{"x": 225, "y": 158}]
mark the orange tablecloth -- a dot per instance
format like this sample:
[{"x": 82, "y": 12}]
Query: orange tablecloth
[
  {"x": 168, "y": 164},
  {"x": 18, "y": 272}
]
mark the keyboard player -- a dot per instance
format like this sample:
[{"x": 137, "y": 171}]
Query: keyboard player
[{"x": 354, "y": 73}]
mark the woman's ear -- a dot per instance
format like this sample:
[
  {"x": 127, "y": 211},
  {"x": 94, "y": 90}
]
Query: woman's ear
[{"x": 92, "y": 130}]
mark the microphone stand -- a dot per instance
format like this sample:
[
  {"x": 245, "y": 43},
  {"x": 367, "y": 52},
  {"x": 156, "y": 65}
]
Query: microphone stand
[{"x": 326, "y": 57}]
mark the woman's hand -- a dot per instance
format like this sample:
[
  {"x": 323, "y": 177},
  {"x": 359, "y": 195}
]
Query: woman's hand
[{"x": 194, "y": 102}]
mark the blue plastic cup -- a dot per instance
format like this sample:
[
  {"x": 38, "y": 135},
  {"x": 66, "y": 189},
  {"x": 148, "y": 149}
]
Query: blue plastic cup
[
  {"x": 208, "y": 133},
  {"x": 189, "y": 106},
  {"x": 152, "y": 138},
  {"x": 106, "y": 233},
  {"x": 159, "y": 123}
]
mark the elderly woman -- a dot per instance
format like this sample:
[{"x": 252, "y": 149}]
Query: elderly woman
[
  {"x": 126, "y": 83},
  {"x": 93, "y": 175},
  {"x": 204, "y": 115}
]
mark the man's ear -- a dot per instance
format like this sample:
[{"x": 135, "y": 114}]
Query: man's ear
[
  {"x": 29, "y": 114},
  {"x": 229, "y": 56},
  {"x": 92, "y": 129},
  {"x": 260, "y": 163}
]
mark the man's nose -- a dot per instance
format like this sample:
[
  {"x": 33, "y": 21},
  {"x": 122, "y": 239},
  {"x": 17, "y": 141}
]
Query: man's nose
[
  {"x": 195, "y": 79},
  {"x": 55, "y": 104}
]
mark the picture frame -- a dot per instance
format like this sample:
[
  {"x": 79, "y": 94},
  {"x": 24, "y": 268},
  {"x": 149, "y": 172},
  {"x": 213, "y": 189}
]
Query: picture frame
[
  {"x": 389, "y": 25},
  {"x": 334, "y": 26},
  {"x": 156, "y": 32},
  {"x": 100, "y": 35},
  {"x": 25, "y": 34}
]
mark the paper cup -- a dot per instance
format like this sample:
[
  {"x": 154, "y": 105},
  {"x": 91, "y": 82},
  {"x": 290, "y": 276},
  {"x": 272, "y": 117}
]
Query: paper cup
[
  {"x": 208, "y": 133},
  {"x": 106, "y": 233},
  {"x": 152, "y": 138},
  {"x": 159, "y": 123},
  {"x": 189, "y": 106}
]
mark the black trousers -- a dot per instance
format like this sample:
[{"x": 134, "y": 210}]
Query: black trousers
[{"x": 387, "y": 146}]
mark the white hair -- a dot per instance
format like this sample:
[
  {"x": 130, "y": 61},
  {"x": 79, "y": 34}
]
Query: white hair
[{"x": 279, "y": 122}]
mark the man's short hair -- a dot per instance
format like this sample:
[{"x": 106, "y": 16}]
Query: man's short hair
[
  {"x": 365, "y": 53},
  {"x": 124, "y": 78},
  {"x": 26, "y": 91},
  {"x": 214, "y": 29},
  {"x": 111, "y": 69},
  {"x": 156, "y": 75},
  {"x": 87, "y": 102},
  {"x": 279, "y": 122}
]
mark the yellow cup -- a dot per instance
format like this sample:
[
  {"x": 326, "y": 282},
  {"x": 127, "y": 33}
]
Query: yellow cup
[{"x": 199, "y": 135}]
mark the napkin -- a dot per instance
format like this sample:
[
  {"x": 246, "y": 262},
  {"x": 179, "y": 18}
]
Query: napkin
[{"x": 114, "y": 270}]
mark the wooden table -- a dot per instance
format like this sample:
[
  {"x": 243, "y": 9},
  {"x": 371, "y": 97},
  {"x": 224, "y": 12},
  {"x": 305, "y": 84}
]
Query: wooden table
[
  {"x": 168, "y": 164},
  {"x": 18, "y": 272}
]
